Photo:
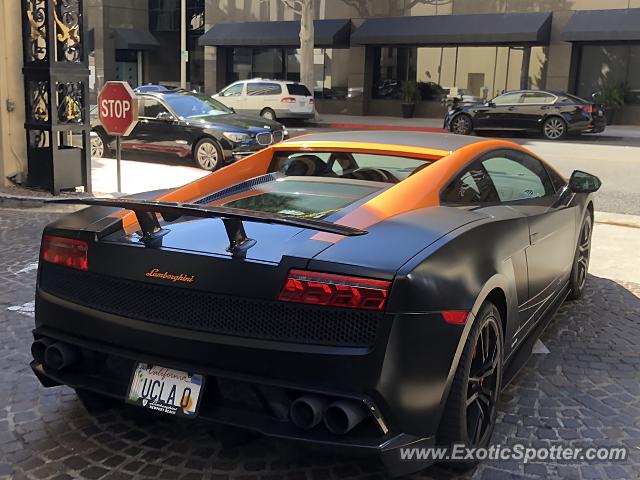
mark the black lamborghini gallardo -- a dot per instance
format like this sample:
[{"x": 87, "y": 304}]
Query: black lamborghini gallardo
[{"x": 360, "y": 290}]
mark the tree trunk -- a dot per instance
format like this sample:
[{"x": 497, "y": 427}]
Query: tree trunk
[{"x": 306, "y": 44}]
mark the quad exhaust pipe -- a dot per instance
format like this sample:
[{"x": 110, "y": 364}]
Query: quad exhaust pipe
[
  {"x": 340, "y": 417},
  {"x": 54, "y": 355}
]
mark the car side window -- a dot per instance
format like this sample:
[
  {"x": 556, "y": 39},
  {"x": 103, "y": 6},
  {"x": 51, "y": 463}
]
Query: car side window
[
  {"x": 471, "y": 186},
  {"x": 263, "y": 88},
  {"x": 537, "y": 98},
  {"x": 233, "y": 90},
  {"x": 517, "y": 176},
  {"x": 507, "y": 99},
  {"x": 151, "y": 108}
]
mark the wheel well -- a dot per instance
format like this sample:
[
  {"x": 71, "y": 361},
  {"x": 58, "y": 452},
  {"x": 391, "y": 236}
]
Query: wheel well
[
  {"x": 203, "y": 137},
  {"x": 266, "y": 108},
  {"x": 498, "y": 298}
]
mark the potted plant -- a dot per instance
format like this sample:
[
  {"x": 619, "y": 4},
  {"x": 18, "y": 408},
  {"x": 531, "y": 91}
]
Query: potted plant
[
  {"x": 611, "y": 97},
  {"x": 410, "y": 96}
]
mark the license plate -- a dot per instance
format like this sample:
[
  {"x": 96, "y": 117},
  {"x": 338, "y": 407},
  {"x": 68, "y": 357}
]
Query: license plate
[
  {"x": 600, "y": 113},
  {"x": 165, "y": 390}
]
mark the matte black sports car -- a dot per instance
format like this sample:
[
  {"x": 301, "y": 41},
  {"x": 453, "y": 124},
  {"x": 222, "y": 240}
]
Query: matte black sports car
[
  {"x": 550, "y": 112},
  {"x": 191, "y": 125},
  {"x": 361, "y": 290}
]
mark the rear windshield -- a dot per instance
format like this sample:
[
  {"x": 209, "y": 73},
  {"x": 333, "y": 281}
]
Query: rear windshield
[
  {"x": 350, "y": 165},
  {"x": 301, "y": 198},
  {"x": 298, "y": 89}
]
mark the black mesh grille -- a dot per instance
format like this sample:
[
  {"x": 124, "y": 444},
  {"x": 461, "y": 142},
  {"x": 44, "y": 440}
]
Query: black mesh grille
[
  {"x": 221, "y": 314},
  {"x": 239, "y": 187},
  {"x": 264, "y": 138}
]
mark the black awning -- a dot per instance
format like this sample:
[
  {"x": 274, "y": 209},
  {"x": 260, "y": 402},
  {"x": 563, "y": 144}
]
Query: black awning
[
  {"x": 134, "y": 39},
  {"x": 481, "y": 29},
  {"x": 327, "y": 34},
  {"x": 603, "y": 26}
]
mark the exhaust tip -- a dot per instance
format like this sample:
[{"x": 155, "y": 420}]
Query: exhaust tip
[
  {"x": 39, "y": 347},
  {"x": 306, "y": 411},
  {"x": 59, "y": 356},
  {"x": 343, "y": 416}
]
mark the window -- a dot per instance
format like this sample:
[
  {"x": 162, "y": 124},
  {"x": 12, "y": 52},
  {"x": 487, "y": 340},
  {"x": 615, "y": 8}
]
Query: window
[
  {"x": 517, "y": 176},
  {"x": 263, "y": 88},
  {"x": 298, "y": 89},
  {"x": 233, "y": 90},
  {"x": 537, "y": 98},
  {"x": 190, "y": 105},
  {"x": 358, "y": 166},
  {"x": 508, "y": 99},
  {"x": 151, "y": 107},
  {"x": 472, "y": 186}
]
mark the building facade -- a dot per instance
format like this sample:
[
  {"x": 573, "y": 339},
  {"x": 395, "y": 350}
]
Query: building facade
[{"x": 477, "y": 48}]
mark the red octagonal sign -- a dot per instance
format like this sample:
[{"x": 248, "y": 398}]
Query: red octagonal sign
[{"x": 118, "y": 108}]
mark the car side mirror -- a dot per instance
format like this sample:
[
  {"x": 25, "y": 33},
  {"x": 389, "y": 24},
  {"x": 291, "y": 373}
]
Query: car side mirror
[
  {"x": 489, "y": 104},
  {"x": 165, "y": 117},
  {"x": 583, "y": 182}
]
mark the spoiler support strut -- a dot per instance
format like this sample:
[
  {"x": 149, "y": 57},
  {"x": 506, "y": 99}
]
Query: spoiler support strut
[{"x": 147, "y": 215}]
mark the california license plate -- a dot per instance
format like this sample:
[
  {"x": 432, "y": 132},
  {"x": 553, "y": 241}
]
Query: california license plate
[{"x": 165, "y": 390}]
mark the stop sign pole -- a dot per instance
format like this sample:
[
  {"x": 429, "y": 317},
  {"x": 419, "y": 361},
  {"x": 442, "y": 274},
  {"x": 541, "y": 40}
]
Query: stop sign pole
[{"x": 118, "y": 114}]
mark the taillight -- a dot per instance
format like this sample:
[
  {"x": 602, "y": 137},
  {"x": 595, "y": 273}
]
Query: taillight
[
  {"x": 65, "y": 251},
  {"x": 288, "y": 100},
  {"x": 457, "y": 317},
  {"x": 335, "y": 290},
  {"x": 587, "y": 108}
]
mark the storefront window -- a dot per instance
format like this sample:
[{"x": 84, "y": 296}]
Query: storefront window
[
  {"x": 331, "y": 67},
  {"x": 475, "y": 72},
  {"x": 608, "y": 64},
  {"x": 164, "y": 15}
]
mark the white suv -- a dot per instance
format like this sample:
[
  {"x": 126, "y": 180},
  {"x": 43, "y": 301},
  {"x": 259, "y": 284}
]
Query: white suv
[{"x": 272, "y": 99}]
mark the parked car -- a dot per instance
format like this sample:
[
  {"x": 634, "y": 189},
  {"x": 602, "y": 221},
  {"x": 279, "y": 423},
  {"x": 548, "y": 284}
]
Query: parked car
[
  {"x": 152, "y": 88},
  {"x": 271, "y": 99},
  {"x": 553, "y": 113},
  {"x": 367, "y": 291},
  {"x": 190, "y": 125}
]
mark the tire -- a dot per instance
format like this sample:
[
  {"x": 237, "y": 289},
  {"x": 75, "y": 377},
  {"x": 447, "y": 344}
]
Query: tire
[
  {"x": 473, "y": 425},
  {"x": 207, "y": 154},
  {"x": 268, "y": 114},
  {"x": 462, "y": 125},
  {"x": 99, "y": 145},
  {"x": 580, "y": 268},
  {"x": 554, "y": 128}
]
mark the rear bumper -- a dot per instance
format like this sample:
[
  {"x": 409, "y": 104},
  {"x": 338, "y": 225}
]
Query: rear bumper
[{"x": 402, "y": 379}]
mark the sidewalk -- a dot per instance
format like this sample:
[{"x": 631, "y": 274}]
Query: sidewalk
[{"x": 352, "y": 122}]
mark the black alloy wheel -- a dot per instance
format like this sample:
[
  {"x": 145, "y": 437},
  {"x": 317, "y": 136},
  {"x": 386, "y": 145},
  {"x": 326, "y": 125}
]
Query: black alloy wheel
[
  {"x": 580, "y": 269},
  {"x": 470, "y": 412},
  {"x": 461, "y": 125}
]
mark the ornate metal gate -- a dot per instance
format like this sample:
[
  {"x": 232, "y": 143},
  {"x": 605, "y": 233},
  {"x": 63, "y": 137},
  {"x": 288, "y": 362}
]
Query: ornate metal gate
[{"x": 56, "y": 85}]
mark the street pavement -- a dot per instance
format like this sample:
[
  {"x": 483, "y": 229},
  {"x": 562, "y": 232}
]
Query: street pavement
[{"x": 584, "y": 391}]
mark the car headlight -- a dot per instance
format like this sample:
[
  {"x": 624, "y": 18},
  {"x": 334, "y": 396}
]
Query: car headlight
[{"x": 237, "y": 137}]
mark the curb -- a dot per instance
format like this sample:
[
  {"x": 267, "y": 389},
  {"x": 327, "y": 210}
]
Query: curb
[{"x": 368, "y": 126}]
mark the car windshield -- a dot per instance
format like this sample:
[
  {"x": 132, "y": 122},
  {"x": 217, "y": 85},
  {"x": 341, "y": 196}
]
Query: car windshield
[
  {"x": 351, "y": 165},
  {"x": 304, "y": 198},
  {"x": 189, "y": 105}
]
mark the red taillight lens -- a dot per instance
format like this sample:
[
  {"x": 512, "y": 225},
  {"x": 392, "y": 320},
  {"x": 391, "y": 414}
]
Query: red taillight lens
[
  {"x": 455, "y": 316},
  {"x": 587, "y": 108},
  {"x": 65, "y": 251},
  {"x": 335, "y": 290},
  {"x": 288, "y": 100}
]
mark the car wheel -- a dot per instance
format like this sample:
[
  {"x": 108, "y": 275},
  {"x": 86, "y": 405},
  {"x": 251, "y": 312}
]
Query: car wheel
[
  {"x": 268, "y": 114},
  {"x": 98, "y": 145},
  {"x": 470, "y": 412},
  {"x": 554, "y": 128},
  {"x": 207, "y": 154},
  {"x": 580, "y": 268},
  {"x": 461, "y": 125}
]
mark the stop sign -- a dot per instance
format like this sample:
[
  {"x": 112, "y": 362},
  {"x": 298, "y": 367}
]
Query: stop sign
[{"x": 118, "y": 108}]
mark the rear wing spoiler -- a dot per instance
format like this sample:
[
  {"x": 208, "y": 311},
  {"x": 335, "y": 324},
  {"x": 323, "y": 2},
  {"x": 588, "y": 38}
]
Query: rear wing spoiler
[{"x": 146, "y": 212}]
